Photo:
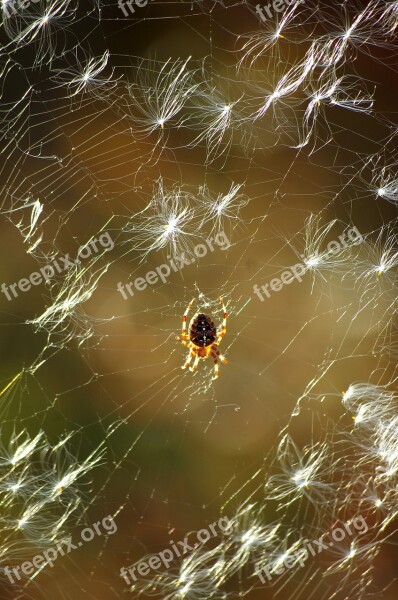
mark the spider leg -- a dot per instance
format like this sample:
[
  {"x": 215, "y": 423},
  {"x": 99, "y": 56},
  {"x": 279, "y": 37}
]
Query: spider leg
[
  {"x": 224, "y": 323},
  {"x": 190, "y": 357},
  {"x": 195, "y": 364},
  {"x": 184, "y": 320},
  {"x": 219, "y": 355},
  {"x": 216, "y": 366},
  {"x": 183, "y": 342}
]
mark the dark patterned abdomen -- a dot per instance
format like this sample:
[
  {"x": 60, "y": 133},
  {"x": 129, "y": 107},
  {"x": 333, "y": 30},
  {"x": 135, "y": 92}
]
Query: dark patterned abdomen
[{"x": 203, "y": 332}]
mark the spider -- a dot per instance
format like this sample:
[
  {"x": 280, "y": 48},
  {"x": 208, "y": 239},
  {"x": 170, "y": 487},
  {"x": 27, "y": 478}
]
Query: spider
[{"x": 203, "y": 339}]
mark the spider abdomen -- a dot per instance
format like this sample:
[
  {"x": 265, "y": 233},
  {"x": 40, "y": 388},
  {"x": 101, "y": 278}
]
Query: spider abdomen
[{"x": 202, "y": 331}]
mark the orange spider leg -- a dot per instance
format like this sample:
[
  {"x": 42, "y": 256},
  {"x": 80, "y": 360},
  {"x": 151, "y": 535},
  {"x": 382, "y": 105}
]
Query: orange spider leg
[
  {"x": 190, "y": 357},
  {"x": 224, "y": 323},
  {"x": 184, "y": 320},
  {"x": 184, "y": 342},
  {"x": 219, "y": 355},
  {"x": 195, "y": 364},
  {"x": 216, "y": 366}
]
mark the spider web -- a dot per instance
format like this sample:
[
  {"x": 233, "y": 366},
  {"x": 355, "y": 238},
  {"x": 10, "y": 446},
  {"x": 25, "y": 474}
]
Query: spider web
[{"x": 183, "y": 123}]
